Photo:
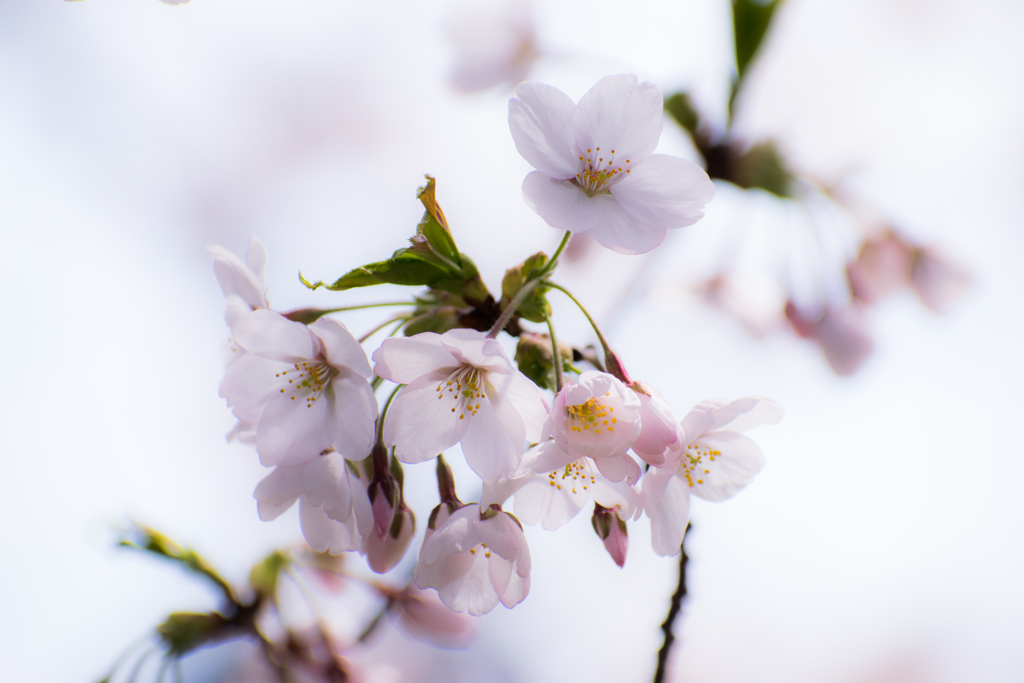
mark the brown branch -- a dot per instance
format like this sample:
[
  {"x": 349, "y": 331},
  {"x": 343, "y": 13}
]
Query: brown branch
[{"x": 673, "y": 612}]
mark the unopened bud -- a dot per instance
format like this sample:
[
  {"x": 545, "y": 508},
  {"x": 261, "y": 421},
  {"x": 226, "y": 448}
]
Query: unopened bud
[
  {"x": 611, "y": 529},
  {"x": 384, "y": 552}
]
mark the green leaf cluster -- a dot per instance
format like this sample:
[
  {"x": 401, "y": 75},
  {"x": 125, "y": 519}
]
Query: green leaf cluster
[
  {"x": 535, "y": 306},
  {"x": 431, "y": 260}
]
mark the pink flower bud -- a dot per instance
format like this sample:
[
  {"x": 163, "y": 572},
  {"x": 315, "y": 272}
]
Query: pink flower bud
[
  {"x": 384, "y": 552},
  {"x": 611, "y": 529}
]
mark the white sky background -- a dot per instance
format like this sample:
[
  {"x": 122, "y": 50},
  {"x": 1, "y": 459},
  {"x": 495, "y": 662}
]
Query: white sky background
[{"x": 882, "y": 544}]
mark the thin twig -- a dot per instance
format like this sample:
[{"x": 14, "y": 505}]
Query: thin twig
[{"x": 673, "y": 612}]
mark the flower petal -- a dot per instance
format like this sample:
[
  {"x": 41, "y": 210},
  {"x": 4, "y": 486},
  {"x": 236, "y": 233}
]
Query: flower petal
[
  {"x": 419, "y": 425},
  {"x": 740, "y": 460},
  {"x": 353, "y": 415},
  {"x": 325, "y": 535},
  {"x": 291, "y": 432},
  {"x": 404, "y": 359},
  {"x": 271, "y": 335},
  {"x": 339, "y": 347},
  {"x": 278, "y": 491},
  {"x": 237, "y": 279},
  {"x": 561, "y": 204},
  {"x": 621, "y": 231},
  {"x": 669, "y": 512},
  {"x": 492, "y": 447},
  {"x": 617, "y": 468},
  {"x": 746, "y": 413},
  {"x": 249, "y": 383},
  {"x": 665, "y": 191},
  {"x": 620, "y": 114},
  {"x": 526, "y": 398},
  {"x": 541, "y": 121},
  {"x": 472, "y": 347}
]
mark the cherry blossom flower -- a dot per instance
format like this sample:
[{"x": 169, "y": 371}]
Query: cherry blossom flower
[
  {"x": 551, "y": 487},
  {"x": 598, "y": 417},
  {"x": 596, "y": 168},
  {"x": 716, "y": 464},
  {"x": 244, "y": 284},
  {"x": 475, "y": 558},
  {"x": 494, "y": 43},
  {"x": 937, "y": 280},
  {"x": 304, "y": 387},
  {"x": 335, "y": 510},
  {"x": 881, "y": 267},
  {"x": 462, "y": 387}
]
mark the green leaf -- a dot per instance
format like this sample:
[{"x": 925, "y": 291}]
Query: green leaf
[
  {"x": 535, "y": 307},
  {"x": 536, "y": 361},
  {"x": 434, "y": 226},
  {"x": 439, "y": 320},
  {"x": 750, "y": 21},
  {"x": 185, "y": 631},
  {"x": 263, "y": 576},
  {"x": 681, "y": 109}
]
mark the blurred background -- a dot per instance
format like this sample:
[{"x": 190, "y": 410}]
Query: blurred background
[{"x": 882, "y": 543}]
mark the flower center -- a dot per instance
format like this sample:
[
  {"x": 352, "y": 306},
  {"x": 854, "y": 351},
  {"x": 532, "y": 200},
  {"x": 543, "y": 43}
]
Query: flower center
[
  {"x": 574, "y": 474},
  {"x": 597, "y": 171},
  {"x": 592, "y": 416},
  {"x": 308, "y": 379},
  {"x": 482, "y": 548},
  {"x": 696, "y": 461},
  {"x": 464, "y": 388}
]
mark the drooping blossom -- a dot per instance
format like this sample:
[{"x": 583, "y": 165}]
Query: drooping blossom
[
  {"x": 334, "y": 512},
  {"x": 882, "y": 266},
  {"x": 716, "y": 463},
  {"x": 462, "y": 388},
  {"x": 596, "y": 168},
  {"x": 840, "y": 331},
  {"x": 475, "y": 558},
  {"x": 551, "y": 487},
  {"x": 243, "y": 283},
  {"x": 422, "y": 615},
  {"x": 659, "y": 431},
  {"x": 494, "y": 43},
  {"x": 598, "y": 417},
  {"x": 304, "y": 387}
]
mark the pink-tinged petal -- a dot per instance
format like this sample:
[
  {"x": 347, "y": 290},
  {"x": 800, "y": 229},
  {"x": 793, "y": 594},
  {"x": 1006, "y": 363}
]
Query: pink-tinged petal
[
  {"x": 499, "y": 574},
  {"x": 620, "y": 496},
  {"x": 550, "y": 501},
  {"x": 291, "y": 432},
  {"x": 472, "y": 347},
  {"x": 745, "y": 413},
  {"x": 669, "y": 512},
  {"x": 256, "y": 259},
  {"x": 543, "y": 458},
  {"x": 658, "y": 429},
  {"x": 518, "y": 589},
  {"x": 362, "y": 512},
  {"x": 236, "y": 278},
  {"x": 541, "y": 121},
  {"x": 235, "y": 307},
  {"x": 404, "y": 359},
  {"x": 621, "y": 231},
  {"x": 526, "y": 399},
  {"x": 249, "y": 383},
  {"x": 340, "y": 348},
  {"x": 271, "y": 335},
  {"x": 618, "y": 468},
  {"x": 844, "y": 339},
  {"x": 490, "y": 449},
  {"x": 325, "y": 483},
  {"x": 325, "y": 535},
  {"x": 665, "y": 191},
  {"x": 561, "y": 204},
  {"x": 457, "y": 534},
  {"x": 620, "y": 114},
  {"x": 352, "y": 409},
  {"x": 740, "y": 460},
  {"x": 473, "y": 591},
  {"x": 699, "y": 420},
  {"x": 419, "y": 425},
  {"x": 278, "y": 491}
]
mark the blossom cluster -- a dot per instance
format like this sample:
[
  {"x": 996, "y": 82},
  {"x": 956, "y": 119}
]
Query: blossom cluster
[{"x": 304, "y": 389}]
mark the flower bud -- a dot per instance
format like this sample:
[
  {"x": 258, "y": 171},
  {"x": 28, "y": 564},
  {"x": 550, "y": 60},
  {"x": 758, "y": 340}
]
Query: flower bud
[
  {"x": 383, "y": 553},
  {"x": 611, "y": 529}
]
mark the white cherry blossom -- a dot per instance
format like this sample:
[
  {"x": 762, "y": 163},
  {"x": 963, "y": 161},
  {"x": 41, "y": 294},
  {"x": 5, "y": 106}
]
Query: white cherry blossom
[
  {"x": 335, "y": 510},
  {"x": 243, "y": 283},
  {"x": 462, "y": 387},
  {"x": 551, "y": 487},
  {"x": 659, "y": 432},
  {"x": 304, "y": 387},
  {"x": 598, "y": 417},
  {"x": 596, "y": 168},
  {"x": 475, "y": 558},
  {"x": 716, "y": 463}
]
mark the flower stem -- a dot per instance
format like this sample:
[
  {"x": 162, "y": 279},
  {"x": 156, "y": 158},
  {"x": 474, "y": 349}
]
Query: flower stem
[
  {"x": 512, "y": 307},
  {"x": 673, "y": 611},
  {"x": 555, "y": 355},
  {"x": 397, "y": 318},
  {"x": 553, "y": 261},
  {"x": 384, "y": 412},
  {"x": 611, "y": 359},
  {"x": 309, "y": 315}
]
